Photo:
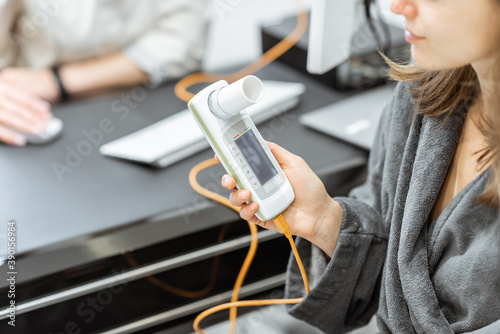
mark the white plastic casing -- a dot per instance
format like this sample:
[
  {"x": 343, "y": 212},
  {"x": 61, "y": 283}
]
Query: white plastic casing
[{"x": 219, "y": 129}]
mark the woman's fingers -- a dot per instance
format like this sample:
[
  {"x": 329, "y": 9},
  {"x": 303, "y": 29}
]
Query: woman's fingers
[
  {"x": 21, "y": 112},
  {"x": 228, "y": 182},
  {"x": 19, "y": 118},
  {"x": 285, "y": 158},
  {"x": 237, "y": 197},
  {"x": 16, "y": 122},
  {"x": 26, "y": 100},
  {"x": 11, "y": 137},
  {"x": 240, "y": 197},
  {"x": 248, "y": 212}
]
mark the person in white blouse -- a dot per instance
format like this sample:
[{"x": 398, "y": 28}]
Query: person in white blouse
[{"x": 51, "y": 50}]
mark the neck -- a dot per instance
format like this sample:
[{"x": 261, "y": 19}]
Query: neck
[{"x": 489, "y": 81}]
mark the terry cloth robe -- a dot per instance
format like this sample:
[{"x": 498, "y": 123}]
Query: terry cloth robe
[{"x": 442, "y": 277}]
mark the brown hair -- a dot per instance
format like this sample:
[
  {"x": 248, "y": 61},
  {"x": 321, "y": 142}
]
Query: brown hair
[{"x": 438, "y": 93}]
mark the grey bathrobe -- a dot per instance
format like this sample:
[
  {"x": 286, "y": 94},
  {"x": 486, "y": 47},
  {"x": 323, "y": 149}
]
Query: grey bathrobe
[{"x": 418, "y": 278}]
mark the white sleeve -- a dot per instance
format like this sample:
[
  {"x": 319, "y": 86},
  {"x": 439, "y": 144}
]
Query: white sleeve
[
  {"x": 8, "y": 13},
  {"x": 174, "y": 43}
]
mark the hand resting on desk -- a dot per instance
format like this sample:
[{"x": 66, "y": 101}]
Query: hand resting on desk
[{"x": 21, "y": 114}]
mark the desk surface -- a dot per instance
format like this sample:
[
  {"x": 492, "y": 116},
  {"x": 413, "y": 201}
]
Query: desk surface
[{"x": 100, "y": 206}]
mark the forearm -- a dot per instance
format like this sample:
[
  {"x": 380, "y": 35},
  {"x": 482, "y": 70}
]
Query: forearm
[
  {"x": 344, "y": 288},
  {"x": 107, "y": 72}
]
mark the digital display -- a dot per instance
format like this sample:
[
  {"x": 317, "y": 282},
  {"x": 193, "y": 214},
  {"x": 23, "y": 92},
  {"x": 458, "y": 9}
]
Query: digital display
[{"x": 256, "y": 157}]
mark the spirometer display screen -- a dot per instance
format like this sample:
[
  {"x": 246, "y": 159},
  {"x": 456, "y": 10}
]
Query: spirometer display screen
[{"x": 256, "y": 157}]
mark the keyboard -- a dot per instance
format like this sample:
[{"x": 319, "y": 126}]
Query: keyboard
[{"x": 178, "y": 136}]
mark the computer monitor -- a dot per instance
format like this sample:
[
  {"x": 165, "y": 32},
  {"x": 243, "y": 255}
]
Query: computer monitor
[
  {"x": 333, "y": 26},
  {"x": 330, "y": 33}
]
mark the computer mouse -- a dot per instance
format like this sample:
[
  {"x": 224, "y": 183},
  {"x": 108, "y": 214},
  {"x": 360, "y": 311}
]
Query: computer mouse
[{"x": 51, "y": 133}]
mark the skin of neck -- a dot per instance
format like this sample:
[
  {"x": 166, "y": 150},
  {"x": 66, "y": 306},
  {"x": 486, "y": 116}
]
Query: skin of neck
[{"x": 488, "y": 73}]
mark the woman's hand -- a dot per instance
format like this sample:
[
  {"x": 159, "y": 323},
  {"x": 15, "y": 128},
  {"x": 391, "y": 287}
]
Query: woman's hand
[
  {"x": 21, "y": 113},
  {"x": 38, "y": 82},
  {"x": 313, "y": 215}
]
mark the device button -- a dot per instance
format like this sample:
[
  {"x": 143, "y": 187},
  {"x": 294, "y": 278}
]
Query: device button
[
  {"x": 248, "y": 172},
  {"x": 234, "y": 149},
  {"x": 254, "y": 182},
  {"x": 241, "y": 161},
  {"x": 268, "y": 187},
  {"x": 277, "y": 180}
]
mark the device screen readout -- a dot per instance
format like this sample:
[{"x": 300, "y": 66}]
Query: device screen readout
[{"x": 256, "y": 157}]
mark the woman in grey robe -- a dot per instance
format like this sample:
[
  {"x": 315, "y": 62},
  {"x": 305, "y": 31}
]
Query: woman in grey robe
[{"x": 419, "y": 243}]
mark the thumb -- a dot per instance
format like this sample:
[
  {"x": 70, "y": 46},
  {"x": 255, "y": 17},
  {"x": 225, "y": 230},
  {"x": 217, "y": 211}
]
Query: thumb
[{"x": 284, "y": 157}]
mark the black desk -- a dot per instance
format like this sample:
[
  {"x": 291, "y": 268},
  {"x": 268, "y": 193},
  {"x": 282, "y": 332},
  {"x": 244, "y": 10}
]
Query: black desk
[{"x": 104, "y": 206}]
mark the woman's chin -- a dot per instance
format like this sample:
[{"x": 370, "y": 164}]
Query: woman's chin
[{"x": 430, "y": 62}]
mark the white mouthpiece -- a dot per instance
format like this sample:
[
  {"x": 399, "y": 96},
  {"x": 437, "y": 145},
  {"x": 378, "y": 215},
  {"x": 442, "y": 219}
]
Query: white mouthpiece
[{"x": 239, "y": 95}]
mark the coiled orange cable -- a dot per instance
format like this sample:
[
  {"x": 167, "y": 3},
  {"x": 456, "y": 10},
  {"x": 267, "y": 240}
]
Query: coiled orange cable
[
  {"x": 283, "y": 227},
  {"x": 181, "y": 90}
]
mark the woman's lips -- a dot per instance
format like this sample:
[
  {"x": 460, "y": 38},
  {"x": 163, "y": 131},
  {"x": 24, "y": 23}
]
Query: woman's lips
[{"x": 411, "y": 37}]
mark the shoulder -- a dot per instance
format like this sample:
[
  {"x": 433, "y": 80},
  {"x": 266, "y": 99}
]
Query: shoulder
[
  {"x": 401, "y": 105},
  {"x": 399, "y": 114}
]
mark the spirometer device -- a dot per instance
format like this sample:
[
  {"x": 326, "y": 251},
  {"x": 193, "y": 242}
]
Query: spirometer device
[{"x": 219, "y": 110}]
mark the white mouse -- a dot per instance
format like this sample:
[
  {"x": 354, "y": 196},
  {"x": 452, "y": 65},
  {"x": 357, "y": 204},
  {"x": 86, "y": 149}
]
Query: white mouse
[{"x": 52, "y": 132}]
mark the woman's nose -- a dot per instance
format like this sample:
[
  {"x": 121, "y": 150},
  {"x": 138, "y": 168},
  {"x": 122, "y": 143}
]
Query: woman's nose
[{"x": 407, "y": 8}]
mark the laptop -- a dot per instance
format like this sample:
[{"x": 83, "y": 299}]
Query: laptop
[
  {"x": 178, "y": 136},
  {"x": 354, "y": 119}
]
